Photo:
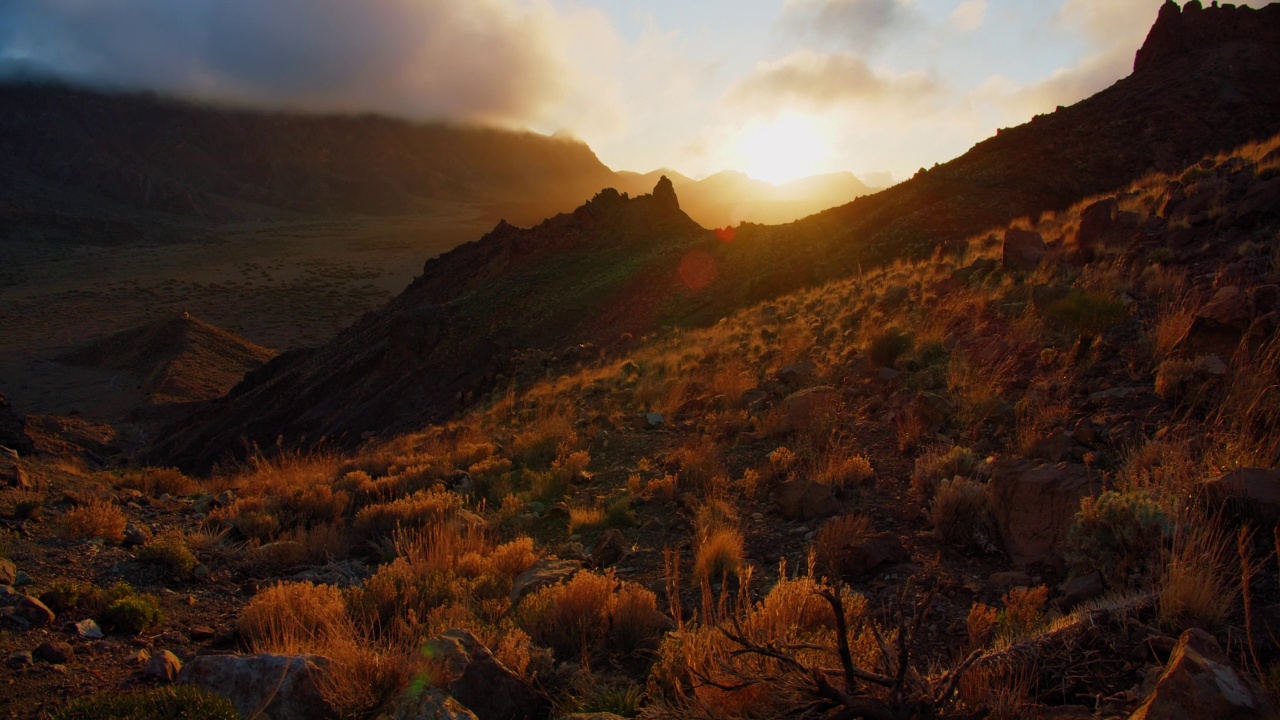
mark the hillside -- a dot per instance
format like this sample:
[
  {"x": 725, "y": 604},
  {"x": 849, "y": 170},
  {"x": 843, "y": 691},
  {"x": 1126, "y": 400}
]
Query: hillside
[
  {"x": 1184, "y": 104},
  {"x": 177, "y": 359}
]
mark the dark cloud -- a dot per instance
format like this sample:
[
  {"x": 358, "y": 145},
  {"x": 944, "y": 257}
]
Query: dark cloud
[
  {"x": 859, "y": 24},
  {"x": 821, "y": 81},
  {"x": 475, "y": 60}
]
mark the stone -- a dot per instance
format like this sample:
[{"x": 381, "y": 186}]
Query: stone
[
  {"x": 1220, "y": 323},
  {"x": 33, "y": 611},
  {"x": 1023, "y": 249},
  {"x": 1248, "y": 492},
  {"x": 934, "y": 408},
  {"x": 1081, "y": 588},
  {"x": 1097, "y": 224},
  {"x": 163, "y": 666},
  {"x": 19, "y": 659},
  {"x": 1199, "y": 682},
  {"x": 797, "y": 374},
  {"x": 474, "y": 677},
  {"x": 282, "y": 687},
  {"x": 12, "y": 474},
  {"x": 89, "y": 629},
  {"x": 807, "y": 408},
  {"x": 56, "y": 653},
  {"x": 1034, "y": 506},
  {"x": 1010, "y": 578},
  {"x": 865, "y": 554},
  {"x": 8, "y": 571},
  {"x": 13, "y": 431},
  {"x": 543, "y": 573},
  {"x": 611, "y": 548},
  {"x": 136, "y": 534},
  {"x": 654, "y": 420},
  {"x": 805, "y": 499},
  {"x": 417, "y": 702}
]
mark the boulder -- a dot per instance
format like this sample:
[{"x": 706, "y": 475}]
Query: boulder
[
  {"x": 1023, "y": 249},
  {"x": 163, "y": 666},
  {"x": 11, "y": 472},
  {"x": 426, "y": 703},
  {"x": 13, "y": 429},
  {"x": 543, "y": 573},
  {"x": 33, "y": 611},
  {"x": 283, "y": 687},
  {"x": 863, "y": 555},
  {"x": 805, "y": 499},
  {"x": 8, "y": 571},
  {"x": 797, "y": 374},
  {"x": 1252, "y": 492},
  {"x": 1081, "y": 588},
  {"x": 1097, "y": 223},
  {"x": 611, "y": 548},
  {"x": 1199, "y": 682},
  {"x": 1219, "y": 325},
  {"x": 808, "y": 407},
  {"x": 1034, "y": 506},
  {"x": 474, "y": 677},
  {"x": 56, "y": 653}
]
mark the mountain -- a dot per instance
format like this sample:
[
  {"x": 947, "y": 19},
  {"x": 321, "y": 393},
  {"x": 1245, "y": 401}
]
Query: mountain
[
  {"x": 729, "y": 198},
  {"x": 177, "y": 359},
  {"x": 1203, "y": 83},
  {"x": 113, "y": 153}
]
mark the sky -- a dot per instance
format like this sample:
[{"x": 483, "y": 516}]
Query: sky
[{"x": 778, "y": 89}]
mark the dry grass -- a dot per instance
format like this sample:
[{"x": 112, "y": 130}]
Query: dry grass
[
  {"x": 585, "y": 517},
  {"x": 828, "y": 553},
  {"x": 154, "y": 482},
  {"x": 95, "y": 520},
  {"x": 981, "y": 624},
  {"x": 1023, "y": 610},
  {"x": 1198, "y": 583},
  {"x": 842, "y": 467},
  {"x": 719, "y": 554},
  {"x": 939, "y": 464},
  {"x": 570, "y": 617},
  {"x": 1171, "y": 324},
  {"x": 962, "y": 513},
  {"x": 288, "y": 613},
  {"x": 421, "y": 509},
  {"x": 539, "y": 441}
]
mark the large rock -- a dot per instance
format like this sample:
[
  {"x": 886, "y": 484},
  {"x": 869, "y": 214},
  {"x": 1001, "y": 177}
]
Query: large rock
[
  {"x": 282, "y": 687},
  {"x": 475, "y": 678},
  {"x": 1034, "y": 507},
  {"x": 13, "y": 429},
  {"x": 804, "y": 499},
  {"x": 1023, "y": 249},
  {"x": 426, "y": 703},
  {"x": 542, "y": 574},
  {"x": 862, "y": 555},
  {"x": 1219, "y": 325},
  {"x": 163, "y": 666},
  {"x": 11, "y": 472},
  {"x": 1097, "y": 223},
  {"x": 1200, "y": 683},
  {"x": 1253, "y": 492},
  {"x": 611, "y": 548},
  {"x": 807, "y": 408},
  {"x": 33, "y": 611}
]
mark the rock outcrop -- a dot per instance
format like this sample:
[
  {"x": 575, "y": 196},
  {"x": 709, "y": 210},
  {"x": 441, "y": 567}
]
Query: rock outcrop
[
  {"x": 1199, "y": 682},
  {"x": 1034, "y": 507},
  {"x": 477, "y": 680},
  {"x": 283, "y": 687},
  {"x": 13, "y": 429}
]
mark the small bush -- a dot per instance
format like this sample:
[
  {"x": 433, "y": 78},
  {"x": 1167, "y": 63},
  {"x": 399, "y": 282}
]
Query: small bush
[
  {"x": 423, "y": 508},
  {"x": 886, "y": 346},
  {"x": 570, "y": 616},
  {"x": 95, "y": 520},
  {"x": 841, "y": 469},
  {"x": 1118, "y": 534},
  {"x": 132, "y": 614},
  {"x": 154, "y": 482},
  {"x": 719, "y": 554},
  {"x": 831, "y": 546},
  {"x": 174, "y": 702},
  {"x": 1087, "y": 313},
  {"x": 936, "y": 465},
  {"x": 981, "y": 624},
  {"x": 962, "y": 513},
  {"x": 585, "y": 518},
  {"x": 619, "y": 514},
  {"x": 1023, "y": 610},
  {"x": 281, "y": 615},
  {"x": 169, "y": 549},
  {"x": 68, "y": 595}
]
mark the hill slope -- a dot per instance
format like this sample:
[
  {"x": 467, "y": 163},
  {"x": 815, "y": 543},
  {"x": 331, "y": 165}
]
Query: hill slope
[{"x": 1177, "y": 107}]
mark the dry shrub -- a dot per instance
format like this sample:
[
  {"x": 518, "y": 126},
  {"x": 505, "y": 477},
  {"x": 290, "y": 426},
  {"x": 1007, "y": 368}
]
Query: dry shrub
[
  {"x": 1174, "y": 377},
  {"x": 288, "y": 614},
  {"x": 1164, "y": 284},
  {"x": 829, "y": 552},
  {"x": 699, "y": 460},
  {"x": 938, "y": 464},
  {"x": 572, "y": 464},
  {"x": 585, "y": 517},
  {"x": 728, "y": 423},
  {"x": 423, "y": 508},
  {"x": 962, "y": 513},
  {"x": 1245, "y": 429},
  {"x": 663, "y": 488},
  {"x": 1003, "y": 693},
  {"x": 154, "y": 482},
  {"x": 1167, "y": 469},
  {"x": 981, "y": 624},
  {"x": 1023, "y": 610},
  {"x": 780, "y": 464},
  {"x": 1197, "y": 584},
  {"x": 841, "y": 467},
  {"x": 95, "y": 520},
  {"x": 512, "y": 558},
  {"x": 719, "y": 553},
  {"x": 1172, "y": 322},
  {"x": 911, "y": 428},
  {"x": 169, "y": 548},
  {"x": 537, "y": 444},
  {"x": 571, "y": 616},
  {"x": 634, "y": 618}
]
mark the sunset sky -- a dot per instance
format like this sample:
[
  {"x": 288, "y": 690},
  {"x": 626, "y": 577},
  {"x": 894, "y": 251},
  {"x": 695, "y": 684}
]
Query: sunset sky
[{"x": 775, "y": 88}]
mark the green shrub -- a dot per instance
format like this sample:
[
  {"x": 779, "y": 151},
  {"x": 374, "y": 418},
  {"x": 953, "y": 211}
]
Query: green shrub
[
  {"x": 1119, "y": 534},
  {"x": 67, "y": 595},
  {"x": 170, "y": 549},
  {"x": 1087, "y": 313},
  {"x": 886, "y": 346},
  {"x": 175, "y": 702},
  {"x": 132, "y": 614}
]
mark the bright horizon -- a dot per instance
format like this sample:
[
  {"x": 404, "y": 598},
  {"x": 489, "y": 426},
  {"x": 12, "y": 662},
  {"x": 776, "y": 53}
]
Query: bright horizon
[{"x": 777, "y": 90}]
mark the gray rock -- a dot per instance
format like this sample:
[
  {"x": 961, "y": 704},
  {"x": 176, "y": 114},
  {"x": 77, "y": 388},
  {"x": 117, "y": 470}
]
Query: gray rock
[
  {"x": 19, "y": 659},
  {"x": 8, "y": 571},
  {"x": 426, "y": 703},
  {"x": 56, "y": 653},
  {"x": 163, "y": 666},
  {"x": 89, "y": 629},
  {"x": 1199, "y": 682},
  {"x": 475, "y": 678},
  {"x": 542, "y": 574},
  {"x": 283, "y": 687},
  {"x": 33, "y": 611},
  {"x": 654, "y": 419},
  {"x": 805, "y": 499}
]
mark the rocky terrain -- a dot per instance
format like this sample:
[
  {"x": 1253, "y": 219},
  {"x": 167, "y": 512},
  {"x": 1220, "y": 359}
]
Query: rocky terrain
[{"x": 1023, "y": 468}]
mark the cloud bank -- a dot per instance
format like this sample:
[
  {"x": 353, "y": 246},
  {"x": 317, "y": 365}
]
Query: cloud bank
[{"x": 484, "y": 60}]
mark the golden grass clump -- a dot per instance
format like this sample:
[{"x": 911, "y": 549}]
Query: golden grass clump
[
  {"x": 585, "y": 517},
  {"x": 423, "y": 508},
  {"x": 841, "y": 468},
  {"x": 720, "y": 553},
  {"x": 938, "y": 464},
  {"x": 154, "y": 482},
  {"x": 981, "y": 624},
  {"x": 1023, "y": 610},
  {"x": 287, "y": 615},
  {"x": 571, "y": 616},
  {"x": 962, "y": 513},
  {"x": 96, "y": 520},
  {"x": 828, "y": 554},
  {"x": 539, "y": 441},
  {"x": 1197, "y": 582}
]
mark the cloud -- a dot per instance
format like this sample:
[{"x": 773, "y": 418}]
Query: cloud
[
  {"x": 817, "y": 82},
  {"x": 968, "y": 15},
  {"x": 485, "y": 60},
  {"x": 859, "y": 24}
]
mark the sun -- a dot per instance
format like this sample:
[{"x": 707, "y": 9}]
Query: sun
[{"x": 782, "y": 149}]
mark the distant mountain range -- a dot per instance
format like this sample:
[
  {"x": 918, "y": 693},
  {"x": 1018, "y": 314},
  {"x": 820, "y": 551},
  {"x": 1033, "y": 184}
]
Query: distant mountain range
[
  {"x": 1204, "y": 82},
  {"x": 68, "y": 155}
]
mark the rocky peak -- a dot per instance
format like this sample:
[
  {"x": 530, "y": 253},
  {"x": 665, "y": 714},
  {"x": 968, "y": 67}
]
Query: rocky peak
[
  {"x": 665, "y": 194},
  {"x": 1194, "y": 28}
]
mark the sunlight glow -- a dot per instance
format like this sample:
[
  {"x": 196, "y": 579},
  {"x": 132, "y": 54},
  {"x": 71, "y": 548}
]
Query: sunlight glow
[{"x": 782, "y": 149}]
